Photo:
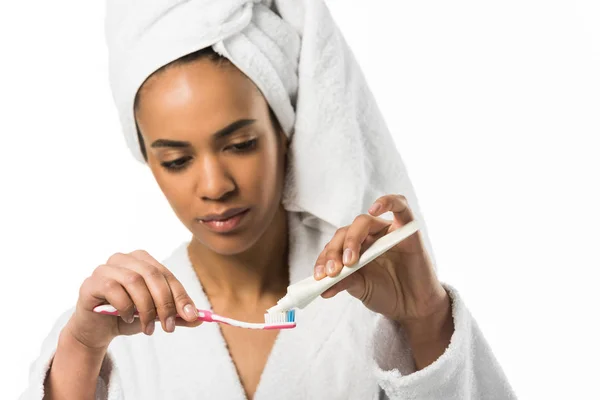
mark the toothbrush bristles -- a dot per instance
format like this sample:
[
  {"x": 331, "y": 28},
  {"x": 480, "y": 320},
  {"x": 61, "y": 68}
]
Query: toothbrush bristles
[{"x": 285, "y": 317}]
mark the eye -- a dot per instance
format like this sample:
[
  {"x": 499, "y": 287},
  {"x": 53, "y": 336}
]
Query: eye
[
  {"x": 176, "y": 165},
  {"x": 244, "y": 146}
]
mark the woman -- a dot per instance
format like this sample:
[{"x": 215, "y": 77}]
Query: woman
[{"x": 217, "y": 137}]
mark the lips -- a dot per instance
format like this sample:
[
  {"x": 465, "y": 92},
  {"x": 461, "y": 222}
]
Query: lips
[
  {"x": 226, "y": 222},
  {"x": 222, "y": 216}
]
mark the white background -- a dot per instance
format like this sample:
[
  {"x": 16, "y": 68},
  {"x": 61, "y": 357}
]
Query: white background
[{"x": 495, "y": 108}]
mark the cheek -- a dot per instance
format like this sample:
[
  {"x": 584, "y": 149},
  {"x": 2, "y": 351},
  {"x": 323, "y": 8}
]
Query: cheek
[
  {"x": 255, "y": 175},
  {"x": 259, "y": 176}
]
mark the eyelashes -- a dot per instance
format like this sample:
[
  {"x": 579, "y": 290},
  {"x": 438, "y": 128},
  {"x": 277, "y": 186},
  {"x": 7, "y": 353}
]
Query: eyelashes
[
  {"x": 244, "y": 146},
  {"x": 177, "y": 164},
  {"x": 180, "y": 163}
]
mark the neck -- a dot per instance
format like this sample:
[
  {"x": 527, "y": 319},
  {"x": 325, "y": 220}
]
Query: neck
[{"x": 256, "y": 275}]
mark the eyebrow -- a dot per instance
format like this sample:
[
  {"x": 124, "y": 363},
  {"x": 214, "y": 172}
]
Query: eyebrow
[{"x": 221, "y": 133}]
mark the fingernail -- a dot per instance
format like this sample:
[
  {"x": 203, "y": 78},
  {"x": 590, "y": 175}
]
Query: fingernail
[
  {"x": 347, "y": 256},
  {"x": 150, "y": 328},
  {"x": 170, "y": 323},
  {"x": 374, "y": 208},
  {"x": 319, "y": 271},
  {"x": 190, "y": 311},
  {"x": 330, "y": 267}
]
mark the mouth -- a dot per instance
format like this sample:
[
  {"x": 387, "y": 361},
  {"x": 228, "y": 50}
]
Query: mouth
[{"x": 226, "y": 221}]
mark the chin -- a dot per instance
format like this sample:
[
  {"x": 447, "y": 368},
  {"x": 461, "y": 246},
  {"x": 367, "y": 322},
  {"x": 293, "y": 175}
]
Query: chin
[{"x": 228, "y": 245}]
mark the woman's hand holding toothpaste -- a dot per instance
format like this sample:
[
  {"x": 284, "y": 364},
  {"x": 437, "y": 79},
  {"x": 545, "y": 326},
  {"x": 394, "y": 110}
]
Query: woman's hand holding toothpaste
[{"x": 401, "y": 284}]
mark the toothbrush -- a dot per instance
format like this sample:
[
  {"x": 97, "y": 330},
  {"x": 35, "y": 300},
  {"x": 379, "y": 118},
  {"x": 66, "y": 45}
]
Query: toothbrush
[
  {"x": 283, "y": 320},
  {"x": 300, "y": 294}
]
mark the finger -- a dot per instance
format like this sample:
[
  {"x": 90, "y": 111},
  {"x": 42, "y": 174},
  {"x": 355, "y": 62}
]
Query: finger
[
  {"x": 96, "y": 291},
  {"x": 349, "y": 246},
  {"x": 159, "y": 288},
  {"x": 136, "y": 326},
  {"x": 319, "y": 269},
  {"x": 135, "y": 285},
  {"x": 362, "y": 228},
  {"x": 396, "y": 203},
  {"x": 184, "y": 305},
  {"x": 322, "y": 259},
  {"x": 354, "y": 283}
]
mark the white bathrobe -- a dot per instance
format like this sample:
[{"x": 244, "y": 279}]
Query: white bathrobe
[{"x": 339, "y": 350}]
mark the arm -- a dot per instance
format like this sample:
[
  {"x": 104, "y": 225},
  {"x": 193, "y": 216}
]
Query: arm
[
  {"x": 60, "y": 358},
  {"x": 74, "y": 370},
  {"x": 430, "y": 337},
  {"x": 421, "y": 352},
  {"x": 465, "y": 369}
]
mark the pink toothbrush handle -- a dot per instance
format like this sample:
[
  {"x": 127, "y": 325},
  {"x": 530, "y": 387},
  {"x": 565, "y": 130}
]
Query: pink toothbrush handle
[{"x": 107, "y": 309}]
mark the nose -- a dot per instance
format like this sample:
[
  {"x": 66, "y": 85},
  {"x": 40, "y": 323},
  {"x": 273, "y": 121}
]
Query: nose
[{"x": 214, "y": 181}]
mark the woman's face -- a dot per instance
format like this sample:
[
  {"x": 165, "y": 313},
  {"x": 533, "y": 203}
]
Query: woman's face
[{"x": 212, "y": 148}]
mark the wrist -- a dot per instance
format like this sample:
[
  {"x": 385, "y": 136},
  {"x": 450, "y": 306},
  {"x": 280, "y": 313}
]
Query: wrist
[
  {"x": 71, "y": 338},
  {"x": 435, "y": 327},
  {"x": 74, "y": 369}
]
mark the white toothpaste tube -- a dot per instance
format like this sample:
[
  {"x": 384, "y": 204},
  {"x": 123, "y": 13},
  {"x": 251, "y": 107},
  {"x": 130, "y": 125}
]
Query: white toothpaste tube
[{"x": 302, "y": 293}]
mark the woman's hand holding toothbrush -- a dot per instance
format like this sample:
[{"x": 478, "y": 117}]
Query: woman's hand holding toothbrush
[
  {"x": 401, "y": 284},
  {"x": 126, "y": 281}
]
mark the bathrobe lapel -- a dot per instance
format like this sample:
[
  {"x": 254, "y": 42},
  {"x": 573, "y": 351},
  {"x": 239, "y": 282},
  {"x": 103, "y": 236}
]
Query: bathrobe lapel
[{"x": 296, "y": 361}]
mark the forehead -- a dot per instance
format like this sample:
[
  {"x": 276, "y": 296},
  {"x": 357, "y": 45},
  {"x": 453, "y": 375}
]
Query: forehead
[
  {"x": 199, "y": 93},
  {"x": 202, "y": 80}
]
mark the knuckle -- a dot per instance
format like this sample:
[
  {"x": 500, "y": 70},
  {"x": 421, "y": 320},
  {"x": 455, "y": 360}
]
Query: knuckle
[
  {"x": 127, "y": 308},
  {"x": 99, "y": 268},
  {"x": 341, "y": 231},
  {"x": 97, "y": 271},
  {"x": 85, "y": 286},
  {"x": 133, "y": 279},
  {"x": 139, "y": 252},
  {"x": 114, "y": 259},
  {"x": 180, "y": 296},
  {"x": 167, "y": 306},
  {"x": 359, "y": 218},
  {"x": 151, "y": 272},
  {"x": 350, "y": 241},
  {"x": 148, "y": 315},
  {"x": 146, "y": 307},
  {"x": 321, "y": 258},
  {"x": 332, "y": 255},
  {"x": 110, "y": 285},
  {"x": 169, "y": 276},
  {"x": 363, "y": 218}
]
